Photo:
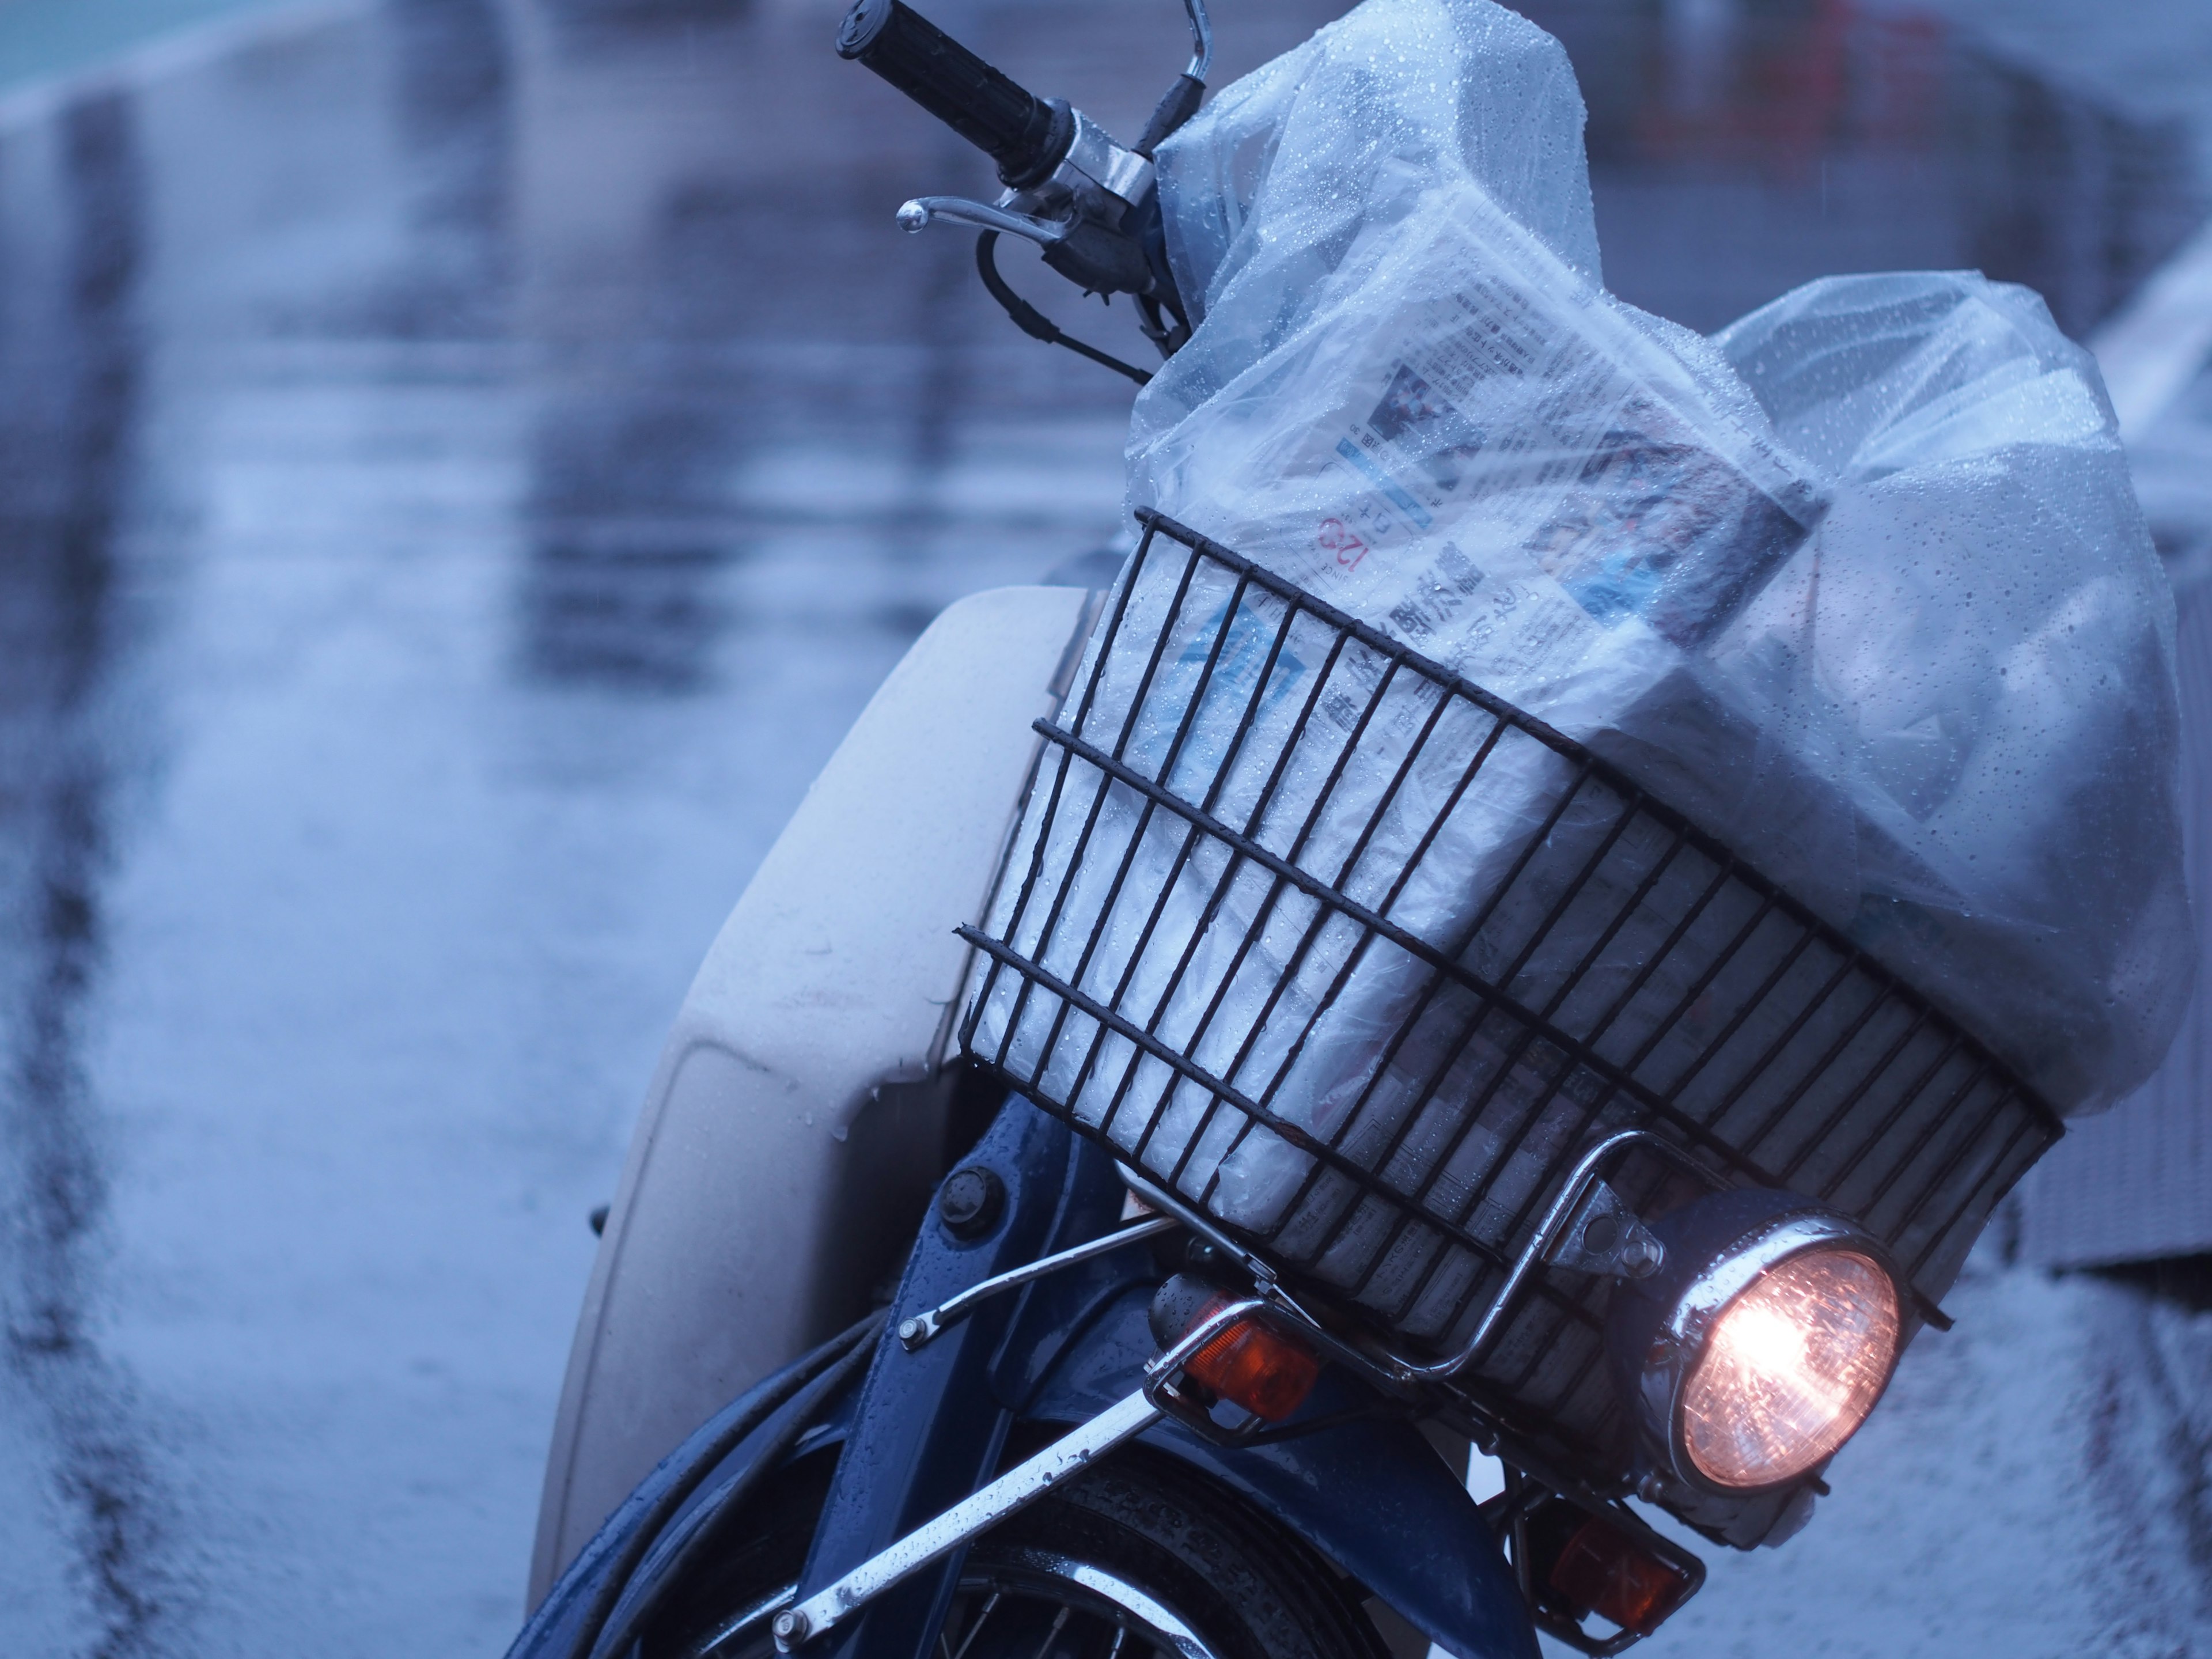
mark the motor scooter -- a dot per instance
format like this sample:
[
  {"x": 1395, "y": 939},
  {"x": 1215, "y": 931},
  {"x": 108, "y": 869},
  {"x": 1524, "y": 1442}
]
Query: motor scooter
[{"x": 888, "y": 1352}]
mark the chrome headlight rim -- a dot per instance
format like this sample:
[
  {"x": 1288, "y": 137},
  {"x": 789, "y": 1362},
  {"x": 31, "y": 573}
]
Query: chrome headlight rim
[{"x": 1679, "y": 1340}]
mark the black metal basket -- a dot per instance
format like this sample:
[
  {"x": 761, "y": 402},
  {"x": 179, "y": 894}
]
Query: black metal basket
[{"x": 1359, "y": 959}]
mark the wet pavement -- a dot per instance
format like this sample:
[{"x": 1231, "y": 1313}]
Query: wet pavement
[{"x": 463, "y": 464}]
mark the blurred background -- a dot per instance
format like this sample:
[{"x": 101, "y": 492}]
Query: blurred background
[{"x": 463, "y": 463}]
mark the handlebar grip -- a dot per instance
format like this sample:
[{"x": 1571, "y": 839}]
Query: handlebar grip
[{"x": 1023, "y": 134}]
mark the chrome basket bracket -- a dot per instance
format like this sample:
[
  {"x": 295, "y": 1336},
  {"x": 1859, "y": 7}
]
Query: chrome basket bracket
[
  {"x": 1606, "y": 1237},
  {"x": 1553, "y": 1230}
]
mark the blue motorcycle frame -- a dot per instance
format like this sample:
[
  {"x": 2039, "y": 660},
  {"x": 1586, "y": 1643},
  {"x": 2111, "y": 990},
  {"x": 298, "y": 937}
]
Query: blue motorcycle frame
[{"x": 1350, "y": 1474}]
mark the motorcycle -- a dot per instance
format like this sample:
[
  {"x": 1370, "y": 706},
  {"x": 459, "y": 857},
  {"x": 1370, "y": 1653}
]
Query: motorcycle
[{"x": 950, "y": 1368}]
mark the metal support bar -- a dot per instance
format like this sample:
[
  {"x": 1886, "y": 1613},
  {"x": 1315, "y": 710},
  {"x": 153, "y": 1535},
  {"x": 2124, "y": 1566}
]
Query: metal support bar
[
  {"x": 1016, "y": 1489},
  {"x": 1386, "y": 1367},
  {"x": 1150, "y": 1192},
  {"x": 1562, "y": 1211},
  {"x": 1383, "y": 1369},
  {"x": 914, "y": 1332}
]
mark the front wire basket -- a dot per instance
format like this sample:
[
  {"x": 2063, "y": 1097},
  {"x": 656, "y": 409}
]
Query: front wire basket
[{"x": 1359, "y": 960}]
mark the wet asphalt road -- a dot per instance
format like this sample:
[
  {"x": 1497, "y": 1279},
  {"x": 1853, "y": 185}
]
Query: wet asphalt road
[{"x": 463, "y": 464}]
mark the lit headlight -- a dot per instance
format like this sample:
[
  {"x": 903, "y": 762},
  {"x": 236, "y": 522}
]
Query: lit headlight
[
  {"x": 1791, "y": 1368},
  {"x": 1762, "y": 1346}
]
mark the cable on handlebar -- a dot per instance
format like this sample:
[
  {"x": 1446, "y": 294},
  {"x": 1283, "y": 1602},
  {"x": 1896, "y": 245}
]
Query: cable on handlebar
[{"x": 1033, "y": 322}]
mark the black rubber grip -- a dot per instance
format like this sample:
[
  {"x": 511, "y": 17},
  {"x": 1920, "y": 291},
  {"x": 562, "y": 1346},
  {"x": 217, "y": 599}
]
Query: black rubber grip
[{"x": 1023, "y": 134}]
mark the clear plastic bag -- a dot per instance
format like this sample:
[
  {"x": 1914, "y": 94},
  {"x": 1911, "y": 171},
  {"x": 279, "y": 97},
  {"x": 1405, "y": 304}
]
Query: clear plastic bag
[
  {"x": 1860, "y": 586},
  {"x": 1985, "y": 626}
]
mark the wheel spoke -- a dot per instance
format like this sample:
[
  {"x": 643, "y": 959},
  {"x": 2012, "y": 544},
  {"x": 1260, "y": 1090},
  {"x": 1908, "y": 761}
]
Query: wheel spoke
[
  {"x": 990, "y": 1606},
  {"x": 1058, "y": 1624}
]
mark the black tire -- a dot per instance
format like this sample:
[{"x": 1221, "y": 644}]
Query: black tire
[{"x": 1142, "y": 1556}]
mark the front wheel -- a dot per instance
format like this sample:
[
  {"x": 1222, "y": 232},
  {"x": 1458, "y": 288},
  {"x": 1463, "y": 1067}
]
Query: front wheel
[{"x": 1141, "y": 1558}]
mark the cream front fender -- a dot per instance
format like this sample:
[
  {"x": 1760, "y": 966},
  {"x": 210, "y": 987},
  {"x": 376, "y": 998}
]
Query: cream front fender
[{"x": 791, "y": 1136}]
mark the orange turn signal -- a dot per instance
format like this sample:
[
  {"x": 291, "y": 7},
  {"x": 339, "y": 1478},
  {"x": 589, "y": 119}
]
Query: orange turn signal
[
  {"x": 1603, "y": 1570},
  {"x": 1257, "y": 1368}
]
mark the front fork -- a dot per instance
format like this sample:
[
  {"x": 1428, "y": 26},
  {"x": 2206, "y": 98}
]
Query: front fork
[
  {"x": 932, "y": 1419},
  {"x": 953, "y": 1372}
]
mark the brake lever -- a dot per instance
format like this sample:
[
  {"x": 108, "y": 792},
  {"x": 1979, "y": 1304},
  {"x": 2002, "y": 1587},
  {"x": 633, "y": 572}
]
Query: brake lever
[{"x": 925, "y": 211}]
